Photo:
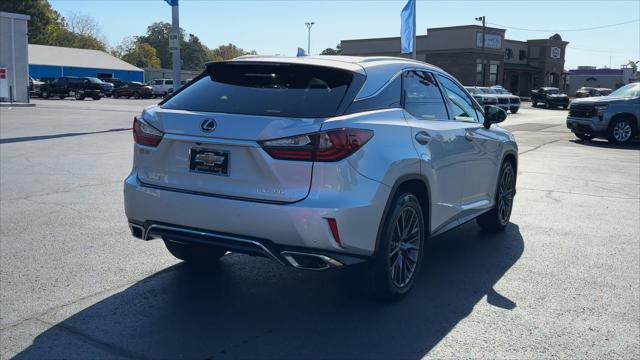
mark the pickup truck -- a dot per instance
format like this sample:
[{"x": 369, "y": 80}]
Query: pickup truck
[
  {"x": 551, "y": 97},
  {"x": 78, "y": 87},
  {"x": 615, "y": 117}
]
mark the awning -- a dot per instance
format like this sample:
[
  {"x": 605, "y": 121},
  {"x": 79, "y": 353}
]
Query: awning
[{"x": 520, "y": 67}]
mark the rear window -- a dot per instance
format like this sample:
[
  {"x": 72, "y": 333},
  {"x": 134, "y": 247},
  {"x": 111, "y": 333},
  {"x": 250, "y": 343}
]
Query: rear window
[{"x": 271, "y": 89}]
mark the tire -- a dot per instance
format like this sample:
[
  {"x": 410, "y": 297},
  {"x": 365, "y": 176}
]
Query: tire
[
  {"x": 497, "y": 218},
  {"x": 514, "y": 110},
  {"x": 622, "y": 131},
  {"x": 98, "y": 97},
  {"x": 565, "y": 107},
  {"x": 45, "y": 94},
  {"x": 399, "y": 249},
  {"x": 78, "y": 96},
  {"x": 136, "y": 95},
  {"x": 115, "y": 95},
  {"x": 534, "y": 103},
  {"x": 195, "y": 254}
]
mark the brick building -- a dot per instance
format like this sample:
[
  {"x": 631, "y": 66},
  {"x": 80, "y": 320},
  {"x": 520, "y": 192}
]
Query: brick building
[{"x": 517, "y": 65}]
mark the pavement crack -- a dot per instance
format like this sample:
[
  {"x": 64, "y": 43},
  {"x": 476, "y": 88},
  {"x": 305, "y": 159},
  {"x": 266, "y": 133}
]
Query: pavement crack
[
  {"x": 578, "y": 193},
  {"x": 538, "y": 147},
  {"x": 112, "y": 348}
]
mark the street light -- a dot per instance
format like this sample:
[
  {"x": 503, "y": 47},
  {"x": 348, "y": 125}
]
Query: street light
[
  {"x": 309, "y": 25},
  {"x": 482, "y": 18}
]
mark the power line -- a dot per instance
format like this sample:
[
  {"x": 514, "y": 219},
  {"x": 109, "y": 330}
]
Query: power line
[{"x": 567, "y": 30}]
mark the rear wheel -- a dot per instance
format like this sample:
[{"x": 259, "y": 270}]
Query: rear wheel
[
  {"x": 514, "y": 110},
  {"x": 397, "y": 263},
  {"x": 622, "y": 131},
  {"x": 136, "y": 95},
  {"x": 194, "y": 253},
  {"x": 497, "y": 218},
  {"x": 79, "y": 96}
]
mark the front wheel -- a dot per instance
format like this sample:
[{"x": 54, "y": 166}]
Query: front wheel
[
  {"x": 399, "y": 256},
  {"x": 136, "y": 95},
  {"x": 497, "y": 218},
  {"x": 514, "y": 110},
  {"x": 622, "y": 131},
  {"x": 196, "y": 254},
  {"x": 534, "y": 103},
  {"x": 79, "y": 96}
]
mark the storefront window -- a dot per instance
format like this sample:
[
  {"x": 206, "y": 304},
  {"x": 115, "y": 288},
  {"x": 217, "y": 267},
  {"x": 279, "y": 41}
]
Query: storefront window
[
  {"x": 478, "y": 72},
  {"x": 493, "y": 74}
]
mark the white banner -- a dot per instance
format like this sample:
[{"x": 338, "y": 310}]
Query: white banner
[{"x": 491, "y": 41}]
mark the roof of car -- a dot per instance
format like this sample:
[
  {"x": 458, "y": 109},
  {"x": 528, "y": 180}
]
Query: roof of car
[{"x": 339, "y": 61}]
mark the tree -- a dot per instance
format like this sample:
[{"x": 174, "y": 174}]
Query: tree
[
  {"x": 137, "y": 53},
  {"x": 194, "y": 54},
  {"x": 330, "y": 51},
  {"x": 229, "y": 51},
  {"x": 158, "y": 37},
  {"x": 45, "y": 25}
]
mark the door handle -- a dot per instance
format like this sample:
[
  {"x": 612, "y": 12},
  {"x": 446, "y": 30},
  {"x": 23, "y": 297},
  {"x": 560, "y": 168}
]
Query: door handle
[{"x": 423, "y": 138}]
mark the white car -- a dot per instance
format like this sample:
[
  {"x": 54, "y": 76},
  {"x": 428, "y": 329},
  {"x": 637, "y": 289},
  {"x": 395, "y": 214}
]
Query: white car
[
  {"x": 161, "y": 87},
  {"x": 318, "y": 163}
]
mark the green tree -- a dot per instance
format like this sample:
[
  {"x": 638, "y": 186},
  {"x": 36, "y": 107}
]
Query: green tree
[
  {"x": 158, "y": 37},
  {"x": 330, "y": 51},
  {"x": 229, "y": 51},
  {"x": 137, "y": 53},
  {"x": 194, "y": 54},
  {"x": 46, "y": 24}
]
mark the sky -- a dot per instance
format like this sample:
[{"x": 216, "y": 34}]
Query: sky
[{"x": 277, "y": 27}]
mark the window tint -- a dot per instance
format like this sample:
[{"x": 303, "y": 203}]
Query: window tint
[
  {"x": 460, "y": 103},
  {"x": 421, "y": 96},
  {"x": 168, "y": 82},
  {"x": 270, "y": 89},
  {"x": 388, "y": 98},
  {"x": 76, "y": 81}
]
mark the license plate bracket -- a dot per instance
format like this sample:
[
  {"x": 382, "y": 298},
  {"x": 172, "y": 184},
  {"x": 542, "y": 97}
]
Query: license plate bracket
[{"x": 209, "y": 161}]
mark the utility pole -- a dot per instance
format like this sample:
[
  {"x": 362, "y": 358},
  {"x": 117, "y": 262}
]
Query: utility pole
[
  {"x": 484, "y": 28},
  {"x": 309, "y": 25},
  {"x": 175, "y": 29}
]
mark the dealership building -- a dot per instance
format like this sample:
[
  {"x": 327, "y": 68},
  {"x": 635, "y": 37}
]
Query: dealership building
[
  {"x": 55, "y": 61},
  {"x": 519, "y": 66}
]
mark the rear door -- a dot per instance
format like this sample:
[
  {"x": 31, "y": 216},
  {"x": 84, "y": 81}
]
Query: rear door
[{"x": 213, "y": 128}]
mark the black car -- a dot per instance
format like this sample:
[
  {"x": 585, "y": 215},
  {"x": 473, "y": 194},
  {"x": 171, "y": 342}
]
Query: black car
[
  {"x": 550, "y": 97},
  {"x": 78, "y": 87}
]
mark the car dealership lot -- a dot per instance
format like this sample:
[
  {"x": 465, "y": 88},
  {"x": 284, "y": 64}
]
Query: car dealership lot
[{"x": 562, "y": 281}]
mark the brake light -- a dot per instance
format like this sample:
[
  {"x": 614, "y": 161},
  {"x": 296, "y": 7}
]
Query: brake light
[
  {"x": 145, "y": 134},
  {"x": 331, "y": 145}
]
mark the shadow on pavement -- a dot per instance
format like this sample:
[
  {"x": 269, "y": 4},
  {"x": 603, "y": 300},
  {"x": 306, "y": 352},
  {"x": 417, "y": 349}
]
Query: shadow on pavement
[
  {"x": 250, "y": 308},
  {"x": 635, "y": 145}
]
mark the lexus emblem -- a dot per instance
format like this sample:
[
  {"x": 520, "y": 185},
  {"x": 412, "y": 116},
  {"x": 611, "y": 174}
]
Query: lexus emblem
[{"x": 208, "y": 125}]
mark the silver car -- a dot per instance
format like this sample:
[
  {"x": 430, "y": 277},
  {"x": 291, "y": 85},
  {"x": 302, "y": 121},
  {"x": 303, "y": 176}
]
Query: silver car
[{"x": 319, "y": 163}]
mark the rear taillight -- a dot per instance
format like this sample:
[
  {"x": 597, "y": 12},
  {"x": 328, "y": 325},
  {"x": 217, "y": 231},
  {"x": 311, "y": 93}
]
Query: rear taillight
[
  {"x": 331, "y": 145},
  {"x": 145, "y": 134}
]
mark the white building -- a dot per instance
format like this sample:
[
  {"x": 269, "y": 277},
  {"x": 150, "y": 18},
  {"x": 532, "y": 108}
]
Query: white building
[{"x": 14, "y": 72}]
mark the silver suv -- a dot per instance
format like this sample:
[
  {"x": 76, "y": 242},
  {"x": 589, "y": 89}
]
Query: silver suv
[
  {"x": 319, "y": 163},
  {"x": 615, "y": 117}
]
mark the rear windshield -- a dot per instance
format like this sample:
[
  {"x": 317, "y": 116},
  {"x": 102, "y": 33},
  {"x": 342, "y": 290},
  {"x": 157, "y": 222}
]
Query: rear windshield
[{"x": 272, "y": 89}]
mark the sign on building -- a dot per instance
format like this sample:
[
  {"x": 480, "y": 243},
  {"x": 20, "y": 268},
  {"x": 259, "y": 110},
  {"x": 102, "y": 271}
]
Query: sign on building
[
  {"x": 556, "y": 52},
  {"x": 491, "y": 41},
  {"x": 4, "y": 83}
]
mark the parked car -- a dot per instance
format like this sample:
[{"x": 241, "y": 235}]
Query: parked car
[
  {"x": 161, "y": 87},
  {"x": 551, "y": 97},
  {"x": 34, "y": 87},
  {"x": 481, "y": 97},
  {"x": 614, "y": 117},
  {"x": 590, "y": 91},
  {"x": 514, "y": 101},
  {"x": 503, "y": 100},
  {"x": 107, "y": 88},
  {"x": 133, "y": 89},
  {"x": 78, "y": 87},
  {"x": 115, "y": 81},
  {"x": 318, "y": 163}
]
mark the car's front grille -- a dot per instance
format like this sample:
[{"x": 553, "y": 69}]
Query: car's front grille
[{"x": 582, "y": 111}]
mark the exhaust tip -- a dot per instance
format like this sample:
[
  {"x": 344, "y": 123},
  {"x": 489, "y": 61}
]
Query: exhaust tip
[
  {"x": 310, "y": 261},
  {"x": 137, "y": 231}
]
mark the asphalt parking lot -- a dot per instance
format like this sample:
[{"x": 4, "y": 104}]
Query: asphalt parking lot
[{"x": 562, "y": 281}]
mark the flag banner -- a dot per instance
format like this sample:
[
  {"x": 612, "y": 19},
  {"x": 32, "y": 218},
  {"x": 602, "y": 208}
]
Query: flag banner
[
  {"x": 406, "y": 27},
  {"x": 172, "y": 2}
]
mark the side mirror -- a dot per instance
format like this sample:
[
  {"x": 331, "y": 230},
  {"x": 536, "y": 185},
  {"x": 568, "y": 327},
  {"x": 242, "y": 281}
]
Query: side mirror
[{"x": 493, "y": 115}]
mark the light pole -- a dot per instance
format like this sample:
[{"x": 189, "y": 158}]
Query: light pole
[
  {"x": 309, "y": 25},
  {"x": 482, "y": 18}
]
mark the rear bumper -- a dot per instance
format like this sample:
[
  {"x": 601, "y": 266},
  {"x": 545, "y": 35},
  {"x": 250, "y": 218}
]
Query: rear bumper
[{"x": 300, "y": 226}]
